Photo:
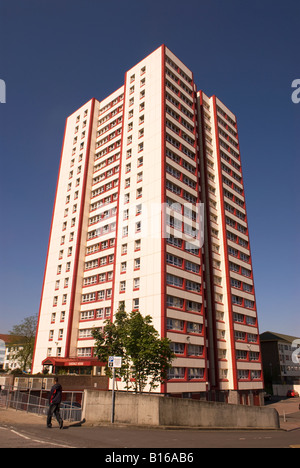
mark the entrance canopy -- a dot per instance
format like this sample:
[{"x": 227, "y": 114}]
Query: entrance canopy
[{"x": 69, "y": 362}]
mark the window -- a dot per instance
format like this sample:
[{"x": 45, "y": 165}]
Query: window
[
  {"x": 138, "y": 226},
  {"x": 174, "y": 324},
  {"x": 177, "y": 348},
  {"x": 195, "y": 373},
  {"x": 193, "y": 327},
  {"x": 247, "y": 287},
  {"x": 84, "y": 352},
  {"x": 235, "y": 283},
  {"x": 192, "y": 286},
  {"x": 240, "y": 336},
  {"x": 243, "y": 374},
  {"x": 101, "y": 295},
  {"x": 241, "y": 355},
  {"x": 190, "y": 266},
  {"x": 174, "y": 281},
  {"x": 252, "y": 338},
  {"x": 136, "y": 304},
  {"x": 137, "y": 263},
  {"x": 90, "y": 297},
  {"x": 238, "y": 318},
  {"x": 172, "y": 260},
  {"x": 176, "y": 373},
  {"x": 255, "y": 374},
  {"x": 193, "y": 306},
  {"x": 122, "y": 286},
  {"x": 175, "y": 302},
  {"x": 237, "y": 300},
  {"x": 195, "y": 350},
  {"x": 138, "y": 209},
  {"x": 136, "y": 283}
]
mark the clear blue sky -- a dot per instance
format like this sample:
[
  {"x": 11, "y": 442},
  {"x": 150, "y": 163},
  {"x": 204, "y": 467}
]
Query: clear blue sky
[{"x": 57, "y": 54}]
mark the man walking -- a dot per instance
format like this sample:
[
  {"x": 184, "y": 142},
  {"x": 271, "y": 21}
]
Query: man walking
[{"x": 54, "y": 404}]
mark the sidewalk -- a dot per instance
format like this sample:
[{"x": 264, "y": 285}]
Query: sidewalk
[
  {"x": 11, "y": 416},
  {"x": 289, "y": 413}
]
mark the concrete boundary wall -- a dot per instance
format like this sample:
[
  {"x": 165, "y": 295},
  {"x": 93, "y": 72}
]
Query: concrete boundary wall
[{"x": 155, "y": 410}]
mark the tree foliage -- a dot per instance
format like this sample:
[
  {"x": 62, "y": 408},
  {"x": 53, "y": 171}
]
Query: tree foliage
[
  {"x": 24, "y": 336},
  {"x": 146, "y": 357}
]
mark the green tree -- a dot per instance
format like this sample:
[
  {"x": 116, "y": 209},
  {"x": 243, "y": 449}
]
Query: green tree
[
  {"x": 24, "y": 337},
  {"x": 146, "y": 357}
]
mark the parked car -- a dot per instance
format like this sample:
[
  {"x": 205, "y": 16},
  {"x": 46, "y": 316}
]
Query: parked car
[{"x": 292, "y": 394}]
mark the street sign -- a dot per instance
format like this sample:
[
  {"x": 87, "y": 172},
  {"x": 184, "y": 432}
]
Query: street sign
[
  {"x": 111, "y": 361},
  {"x": 114, "y": 362},
  {"x": 117, "y": 362}
]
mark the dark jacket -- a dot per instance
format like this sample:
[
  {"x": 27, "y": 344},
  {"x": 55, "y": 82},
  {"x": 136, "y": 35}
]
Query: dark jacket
[{"x": 55, "y": 394}]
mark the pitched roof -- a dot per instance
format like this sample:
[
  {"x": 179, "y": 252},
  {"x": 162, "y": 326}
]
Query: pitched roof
[
  {"x": 11, "y": 339},
  {"x": 273, "y": 336},
  {"x": 5, "y": 338}
]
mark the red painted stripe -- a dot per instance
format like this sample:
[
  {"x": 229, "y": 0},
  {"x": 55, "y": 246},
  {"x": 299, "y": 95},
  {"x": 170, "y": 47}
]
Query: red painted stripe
[
  {"x": 49, "y": 242},
  {"x": 118, "y": 204},
  {"x": 209, "y": 241},
  {"x": 79, "y": 236},
  {"x": 231, "y": 327},
  {"x": 163, "y": 199}
]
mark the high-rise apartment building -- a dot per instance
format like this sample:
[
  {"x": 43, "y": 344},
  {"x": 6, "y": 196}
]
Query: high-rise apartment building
[{"x": 150, "y": 211}]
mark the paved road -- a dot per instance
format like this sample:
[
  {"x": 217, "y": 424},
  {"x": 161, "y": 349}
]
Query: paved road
[{"x": 24, "y": 430}]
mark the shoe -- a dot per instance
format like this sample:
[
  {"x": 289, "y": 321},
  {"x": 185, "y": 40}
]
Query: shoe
[
  {"x": 49, "y": 426},
  {"x": 61, "y": 424}
]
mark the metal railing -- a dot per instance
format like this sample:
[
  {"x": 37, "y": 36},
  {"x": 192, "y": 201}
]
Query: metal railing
[{"x": 36, "y": 401}]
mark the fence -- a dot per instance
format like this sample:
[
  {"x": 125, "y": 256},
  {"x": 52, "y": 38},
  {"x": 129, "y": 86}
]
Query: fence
[{"x": 36, "y": 401}]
